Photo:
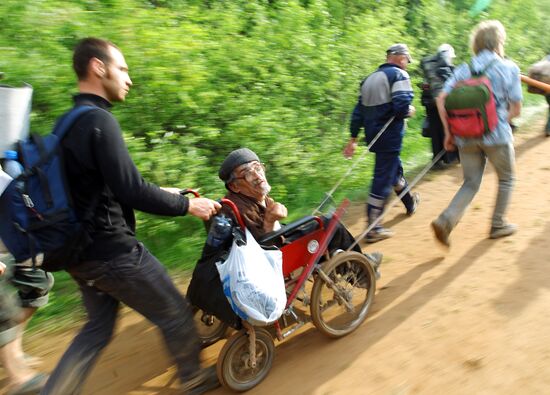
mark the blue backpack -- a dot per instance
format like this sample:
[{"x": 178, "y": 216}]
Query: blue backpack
[{"x": 36, "y": 213}]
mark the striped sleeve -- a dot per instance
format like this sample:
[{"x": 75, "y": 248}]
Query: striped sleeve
[{"x": 401, "y": 93}]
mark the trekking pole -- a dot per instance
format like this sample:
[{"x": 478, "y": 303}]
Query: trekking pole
[
  {"x": 401, "y": 194},
  {"x": 329, "y": 194}
]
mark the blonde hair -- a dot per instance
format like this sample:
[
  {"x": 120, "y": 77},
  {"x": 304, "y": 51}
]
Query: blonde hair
[{"x": 488, "y": 35}]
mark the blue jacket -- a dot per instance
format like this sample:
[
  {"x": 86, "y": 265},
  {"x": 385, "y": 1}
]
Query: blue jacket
[{"x": 385, "y": 93}]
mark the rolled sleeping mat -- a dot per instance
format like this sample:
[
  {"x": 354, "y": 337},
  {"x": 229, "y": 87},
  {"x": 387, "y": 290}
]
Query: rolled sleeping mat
[{"x": 15, "y": 111}]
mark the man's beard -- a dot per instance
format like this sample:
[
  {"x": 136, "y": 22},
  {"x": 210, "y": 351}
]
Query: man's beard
[{"x": 265, "y": 188}]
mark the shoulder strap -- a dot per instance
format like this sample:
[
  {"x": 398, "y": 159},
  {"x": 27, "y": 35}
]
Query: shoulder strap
[
  {"x": 482, "y": 72},
  {"x": 66, "y": 121}
]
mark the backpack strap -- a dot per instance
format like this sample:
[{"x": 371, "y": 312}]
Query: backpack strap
[
  {"x": 482, "y": 72},
  {"x": 60, "y": 129},
  {"x": 66, "y": 121}
]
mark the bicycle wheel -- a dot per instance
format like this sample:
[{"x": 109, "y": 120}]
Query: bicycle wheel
[
  {"x": 340, "y": 302},
  {"x": 233, "y": 366},
  {"x": 209, "y": 328}
]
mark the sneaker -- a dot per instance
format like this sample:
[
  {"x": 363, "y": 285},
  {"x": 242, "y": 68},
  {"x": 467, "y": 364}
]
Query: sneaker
[
  {"x": 378, "y": 234},
  {"x": 442, "y": 230},
  {"x": 205, "y": 381},
  {"x": 439, "y": 166},
  {"x": 375, "y": 259},
  {"x": 416, "y": 202},
  {"x": 503, "y": 231}
]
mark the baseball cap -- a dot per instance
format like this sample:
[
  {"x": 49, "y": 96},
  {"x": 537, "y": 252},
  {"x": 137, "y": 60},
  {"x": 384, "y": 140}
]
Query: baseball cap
[
  {"x": 447, "y": 49},
  {"x": 400, "y": 49}
]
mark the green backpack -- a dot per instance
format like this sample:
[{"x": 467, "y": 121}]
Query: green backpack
[{"x": 471, "y": 107}]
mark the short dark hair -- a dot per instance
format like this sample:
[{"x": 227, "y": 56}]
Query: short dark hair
[{"x": 89, "y": 48}]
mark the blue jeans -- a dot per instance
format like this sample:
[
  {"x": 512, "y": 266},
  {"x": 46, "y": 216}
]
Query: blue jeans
[
  {"x": 138, "y": 280},
  {"x": 474, "y": 158}
]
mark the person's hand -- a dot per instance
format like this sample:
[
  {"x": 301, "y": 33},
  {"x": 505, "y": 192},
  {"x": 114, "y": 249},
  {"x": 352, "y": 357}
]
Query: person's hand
[
  {"x": 2, "y": 268},
  {"x": 449, "y": 143},
  {"x": 275, "y": 211},
  {"x": 412, "y": 111},
  {"x": 203, "y": 208},
  {"x": 349, "y": 150}
]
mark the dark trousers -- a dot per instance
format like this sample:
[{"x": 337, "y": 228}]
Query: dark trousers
[
  {"x": 138, "y": 280},
  {"x": 438, "y": 135},
  {"x": 388, "y": 175},
  {"x": 341, "y": 239}
]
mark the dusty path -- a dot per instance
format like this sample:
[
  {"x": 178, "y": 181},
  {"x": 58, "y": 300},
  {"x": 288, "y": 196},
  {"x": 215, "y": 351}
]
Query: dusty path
[{"x": 473, "y": 320}]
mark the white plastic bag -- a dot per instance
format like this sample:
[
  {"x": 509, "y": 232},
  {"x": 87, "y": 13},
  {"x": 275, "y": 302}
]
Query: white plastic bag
[
  {"x": 253, "y": 282},
  {"x": 5, "y": 180}
]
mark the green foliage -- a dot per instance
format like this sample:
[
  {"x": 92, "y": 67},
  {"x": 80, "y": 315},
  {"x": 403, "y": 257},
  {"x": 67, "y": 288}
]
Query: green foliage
[{"x": 278, "y": 76}]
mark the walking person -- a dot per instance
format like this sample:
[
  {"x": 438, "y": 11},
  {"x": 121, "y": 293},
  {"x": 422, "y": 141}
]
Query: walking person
[
  {"x": 437, "y": 69},
  {"x": 540, "y": 71},
  {"x": 21, "y": 376},
  {"x": 115, "y": 268},
  {"x": 384, "y": 94},
  {"x": 487, "y": 43}
]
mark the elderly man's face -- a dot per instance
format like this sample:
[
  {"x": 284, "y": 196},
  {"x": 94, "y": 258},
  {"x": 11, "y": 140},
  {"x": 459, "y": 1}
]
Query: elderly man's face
[{"x": 249, "y": 179}]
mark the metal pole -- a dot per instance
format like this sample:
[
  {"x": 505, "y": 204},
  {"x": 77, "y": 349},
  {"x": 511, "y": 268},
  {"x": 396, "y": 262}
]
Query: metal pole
[
  {"x": 329, "y": 194},
  {"x": 398, "y": 198}
]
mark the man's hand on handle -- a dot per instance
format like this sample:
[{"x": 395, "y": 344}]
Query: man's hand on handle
[
  {"x": 349, "y": 150},
  {"x": 203, "y": 208},
  {"x": 449, "y": 143}
]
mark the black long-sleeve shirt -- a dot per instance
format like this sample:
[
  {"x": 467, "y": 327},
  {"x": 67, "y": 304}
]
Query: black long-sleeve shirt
[{"x": 97, "y": 161}]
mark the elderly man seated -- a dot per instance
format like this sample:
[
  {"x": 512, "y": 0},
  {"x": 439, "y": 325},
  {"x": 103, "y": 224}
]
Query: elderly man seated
[{"x": 245, "y": 179}]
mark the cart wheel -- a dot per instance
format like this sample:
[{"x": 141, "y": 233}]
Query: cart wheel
[
  {"x": 233, "y": 366},
  {"x": 339, "y": 308},
  {"x": 209, "y": 328}
]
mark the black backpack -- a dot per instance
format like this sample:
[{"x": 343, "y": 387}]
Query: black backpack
[{"x": 436, "y": 72}]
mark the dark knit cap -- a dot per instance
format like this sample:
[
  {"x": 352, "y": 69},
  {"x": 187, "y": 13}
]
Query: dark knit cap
[{"x": 235, "y": 159}]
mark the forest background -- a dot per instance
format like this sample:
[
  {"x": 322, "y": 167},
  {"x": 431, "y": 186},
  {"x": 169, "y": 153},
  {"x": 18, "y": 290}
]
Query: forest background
[{"x": 279, "y": 77}]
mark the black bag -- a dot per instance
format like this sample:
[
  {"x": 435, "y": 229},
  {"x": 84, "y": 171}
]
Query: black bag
[{"x": 426, "y": 128}]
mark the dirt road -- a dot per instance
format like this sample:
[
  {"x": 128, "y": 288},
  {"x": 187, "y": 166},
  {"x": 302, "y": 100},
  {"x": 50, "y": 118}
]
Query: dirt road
[{"x": 472, "y": 320}]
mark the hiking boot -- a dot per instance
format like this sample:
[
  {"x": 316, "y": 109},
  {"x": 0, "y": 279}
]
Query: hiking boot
[
  {"x": 503, "y": 231},
  {"x": 416, "y": 202},
  {"x": 442, "y": 230},
  {"x": 378, "y": 234},
  {"x": 205, "y": 381}
]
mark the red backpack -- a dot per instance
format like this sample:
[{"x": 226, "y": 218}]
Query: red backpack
[{"x": 471, "y": 106}]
